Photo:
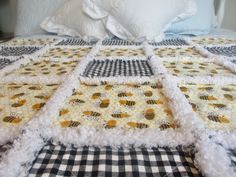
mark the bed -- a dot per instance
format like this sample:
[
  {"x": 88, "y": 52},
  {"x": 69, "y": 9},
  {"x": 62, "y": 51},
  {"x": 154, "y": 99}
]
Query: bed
[{"x": 118, "y": 108}]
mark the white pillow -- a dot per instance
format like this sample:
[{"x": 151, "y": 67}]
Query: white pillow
[
  {"x": 139, "y": 19},
  {"x": 30, "y": 14},
  {"x": 71, "y": 20}
]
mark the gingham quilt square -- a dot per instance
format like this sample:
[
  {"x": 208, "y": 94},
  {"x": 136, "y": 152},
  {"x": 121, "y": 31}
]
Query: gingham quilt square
[
  {"x": 17, "y": 51},
  {"x": 117, "y": 67},
  {"x": 66, "y": 53},
  {"x": 170, "y": 42},
  {"x": 5, "y": 62},
  {"x": 214, "y": 104},
  {"x": 119, "y": 42},
  {"x": 55, "y": 160},
  {"x": 229, "y": 51},
  {"x": 118, "y": 51},
  {"x": 31, "y": 41},
  {"x": 195, "y": 67},
  {"x": 19, "y": 102},
  {"x": 163, "y": 52},
  {"x": 117, "y": 106},
  {"x": 74, "y": 42},
  {"x": 45, "y": 68}
]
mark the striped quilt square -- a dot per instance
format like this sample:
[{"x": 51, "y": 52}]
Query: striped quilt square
[
  {"x": 225, "y": 51},
  {"x": 116, "y": 41},
  {"x": 75, "y": 41},
  {"x": 5, "y": 62},
  {"x": 115, "y": 68},
  {"x": 17, "y": 51},
  {"x": 171, "y": 41}
]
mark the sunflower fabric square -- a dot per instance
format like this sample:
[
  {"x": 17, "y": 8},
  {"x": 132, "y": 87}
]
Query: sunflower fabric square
[
  {"x": 121, "y": 51},
  {"x": 74, "y": 42},
  {"x": 45, "y": 68},
  {"x": 176, "y": 52},
  {"x": 229, "y": 51},
  {"x": 213, "y": 41},
  {"x": 118, "y": 68},
  {"x": 214, "y": 104},
  {"x": 197, "y": 67},
  {"x": 19, "y": 102},
  {"x": 31, "y": 41},
  {"x": 117, "y": 106},
  {"x": 17, "y": 51},
  {"x": 170, "y": 42},
  {"x": 66, "y": 53}
]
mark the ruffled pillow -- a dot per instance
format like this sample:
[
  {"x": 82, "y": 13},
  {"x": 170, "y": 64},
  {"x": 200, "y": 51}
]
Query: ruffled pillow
[
  {"x": 138, "y": 19},
  {"x": 72, "y": 21}
]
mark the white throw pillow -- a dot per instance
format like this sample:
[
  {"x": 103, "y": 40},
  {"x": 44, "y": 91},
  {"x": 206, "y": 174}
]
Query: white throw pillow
[
  {"x": 30, "y": 13},
  {"x": 139, "y": 19},
  {"x": 72, "y": 21}
]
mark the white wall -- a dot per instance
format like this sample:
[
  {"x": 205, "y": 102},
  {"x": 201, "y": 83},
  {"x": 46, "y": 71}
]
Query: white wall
[{"x": 230, "y": 15}]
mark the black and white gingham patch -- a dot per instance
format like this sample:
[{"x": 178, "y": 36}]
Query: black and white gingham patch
[
  {"x": 90, "y": 161},
  {"x": 75, "y": 41},
  {"x": 4, "y": 148},
  {"x": 115, "y": 68},
  {"x": 17, "y": 51},
  {"x": 225, "y": 51},
  {"x": 172, "y": 42},
  {"x": 4, "y": 62},
  {"x": 116, "y": 41}
]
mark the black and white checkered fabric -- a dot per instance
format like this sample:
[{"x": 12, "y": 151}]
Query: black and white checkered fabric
[
  {"x": 172, "y": 42},
  {"x": 4, "y": 148},
  {"x": 116, "y": 41},
  {"x": 114, "y": 68},
  {"x": 75, "y": 41},
  {"x": 225, "y": 51},
  {"x": 5, "y": 62},
  {"x": 17, "y": 51},
  {"x": 135, "y": 162}
]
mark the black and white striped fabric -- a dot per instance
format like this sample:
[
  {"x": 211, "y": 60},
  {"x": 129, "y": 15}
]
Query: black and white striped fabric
[
  {"x": 116, "y": 41},
  {"x": 171, "y": 41},
  {"x": 89, "y": 161},
  {"x": 17, "y": 51},
  {"x": 5, "y": 62},
  {"x": 75, "y": 41},
  {"x": 225, "y": 51},
  {"x": 115, "y": 68},
  {"x": 232, "y": 155}
]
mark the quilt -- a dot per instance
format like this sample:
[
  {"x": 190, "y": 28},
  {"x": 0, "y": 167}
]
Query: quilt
[{"x": 118, "y": 108}]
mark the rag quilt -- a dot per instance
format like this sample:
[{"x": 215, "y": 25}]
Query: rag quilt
[{"x": 118, "y": 108}]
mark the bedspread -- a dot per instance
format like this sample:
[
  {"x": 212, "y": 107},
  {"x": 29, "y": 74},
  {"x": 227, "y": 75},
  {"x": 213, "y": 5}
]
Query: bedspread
[{"x": 127, "y": 108}]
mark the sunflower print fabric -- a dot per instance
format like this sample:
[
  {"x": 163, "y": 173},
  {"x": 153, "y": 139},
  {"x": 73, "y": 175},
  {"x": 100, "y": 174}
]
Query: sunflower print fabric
[
  {"x": 213, "y": 41},
  {"x": 195, "y": 68},
  {"x": 123, "y": 106},
  {"x": 215, "y": 105},
  {"x": 33, "y": 42},
  {"x": 45, "y": 68},
  {"x": 176, "y": 52},
  {"x": 127, "y": 52},
  {"x": 19, "y": 102},
  {"x": 69, "y": 53}
]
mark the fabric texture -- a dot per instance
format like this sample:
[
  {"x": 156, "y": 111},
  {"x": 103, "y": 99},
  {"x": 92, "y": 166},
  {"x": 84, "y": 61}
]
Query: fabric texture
[
  {"x": 74, "y": 41},
  {"x": 127, "y": 22},
  {"x": 89, "y": 161},
  {"x": 17, "y": 51},
  {"x": 30, "y": 13},
  {"x": 200, "y": 23},
  {"x": 5, "y": 62},
  {"x": 114, "y": 68},
  {"x": 224, "y": 51},
  {"x": 70, "y": 20}
]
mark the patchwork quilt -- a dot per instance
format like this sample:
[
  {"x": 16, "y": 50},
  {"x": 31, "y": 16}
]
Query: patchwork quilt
[{"x": 118, "y": 108}]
